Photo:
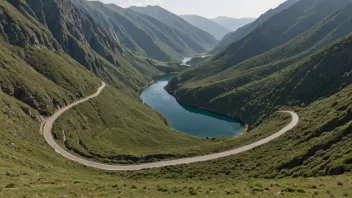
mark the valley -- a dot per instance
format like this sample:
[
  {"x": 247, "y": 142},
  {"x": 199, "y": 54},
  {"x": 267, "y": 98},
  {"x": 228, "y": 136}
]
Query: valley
[{"x": 96, "y": 102}]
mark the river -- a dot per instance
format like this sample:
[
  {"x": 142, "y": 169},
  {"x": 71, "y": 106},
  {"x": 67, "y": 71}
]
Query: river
[
  {"x": 185, "y": 60},
  {"x": 190, "y": 120}
]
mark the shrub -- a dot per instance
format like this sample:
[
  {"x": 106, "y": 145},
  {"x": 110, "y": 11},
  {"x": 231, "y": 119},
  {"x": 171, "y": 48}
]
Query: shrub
[
  {"x": 10, "y": 185},
  {"x": 192, "y": 191},
  {"x": 162, "y": 188},
  {"x": 115, "y": 186},
  {"x": 301, "y": 191},
  {"x": 290, "y": 190}
]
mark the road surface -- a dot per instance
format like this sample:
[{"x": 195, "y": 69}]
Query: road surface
[{"x": 49, "y": 138}]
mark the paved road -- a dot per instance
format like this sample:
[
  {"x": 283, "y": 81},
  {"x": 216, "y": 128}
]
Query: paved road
[{"x": 49, "y": 138}]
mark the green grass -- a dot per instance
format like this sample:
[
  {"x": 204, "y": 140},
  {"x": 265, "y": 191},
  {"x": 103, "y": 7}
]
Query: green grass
[{"x": 116, "y": 186}]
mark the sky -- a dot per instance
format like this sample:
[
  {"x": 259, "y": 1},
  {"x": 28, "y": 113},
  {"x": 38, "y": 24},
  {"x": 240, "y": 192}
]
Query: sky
[{"x": 207, "y": 8}]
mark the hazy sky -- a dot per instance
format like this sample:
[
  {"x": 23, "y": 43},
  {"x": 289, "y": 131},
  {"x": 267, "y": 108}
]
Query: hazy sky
[{"x": 207, "y": 8}]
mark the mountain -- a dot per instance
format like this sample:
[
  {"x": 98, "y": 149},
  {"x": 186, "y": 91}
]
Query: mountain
[
  {"x": 299, "y": 18},
  {"x": 90, "y": 45},
  {"x": 232, "y": 23},
  {"x": 199, "y": 39},
  {"x": 245, "y": 30},
  {"x": 144, "y": 34},
  {"x": 207, "y": 25}
]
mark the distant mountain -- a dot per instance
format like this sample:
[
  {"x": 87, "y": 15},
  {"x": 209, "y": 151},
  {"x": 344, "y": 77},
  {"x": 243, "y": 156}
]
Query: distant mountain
[
  {"x": 232, "y": 23},
  {"x": 145, "y": 34},
  {"x": 245, "y": 30},
  {"x": 207, "y": 25},
  {"x": 199, "y": 40}
]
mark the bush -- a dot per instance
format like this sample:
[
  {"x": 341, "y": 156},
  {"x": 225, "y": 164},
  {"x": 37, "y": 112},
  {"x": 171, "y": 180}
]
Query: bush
[
  {"x": 115, "y": 186},
  {"x": 301, "y": 191},
  {"x": 10, "y": 185},
  {"x": 256, "y": 189},
  {"x": 192, "y": 191},
  {"x": 290, "y": 190},
  {"x": 162, "y": 188}
]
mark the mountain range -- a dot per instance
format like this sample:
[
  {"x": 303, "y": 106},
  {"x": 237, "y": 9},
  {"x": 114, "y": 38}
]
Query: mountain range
[
  {"x": 199, "y": 39},
  {"x": 147, "y": 35}
]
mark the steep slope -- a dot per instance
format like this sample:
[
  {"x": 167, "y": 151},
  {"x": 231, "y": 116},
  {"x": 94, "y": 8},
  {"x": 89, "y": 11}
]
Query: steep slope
[
  {"x": 207, "y": 25},
  {"x": 259, "y": 41},
  {"x": 232, "y": 23},
  {"x": 25, "y": 75},
  {"x": 200, "y": 41},
  {"x": 88, "y": 42},
  {"x": 298, "y": 85},
  {"x": 241, "y": 32},
  {"x": 322, "y": 85},
  {"x": 142, "y": 33}
]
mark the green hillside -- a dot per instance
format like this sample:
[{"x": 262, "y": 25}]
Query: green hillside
[
  {"x": 207, "y": 25},
  {"x": 89, "y": 44},
  {"x": 306, "y": 74},
  {"x": 319, "y": 89}
]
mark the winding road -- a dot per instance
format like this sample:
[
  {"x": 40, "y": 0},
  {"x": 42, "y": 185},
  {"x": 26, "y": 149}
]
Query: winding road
[{"x": 50, "y": 140}]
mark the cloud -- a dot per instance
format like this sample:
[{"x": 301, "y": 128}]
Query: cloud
[{"x": 128, "y": 3}]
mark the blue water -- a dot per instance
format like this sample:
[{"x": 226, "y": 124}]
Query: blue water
[{"x": 190, "y": 120}]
